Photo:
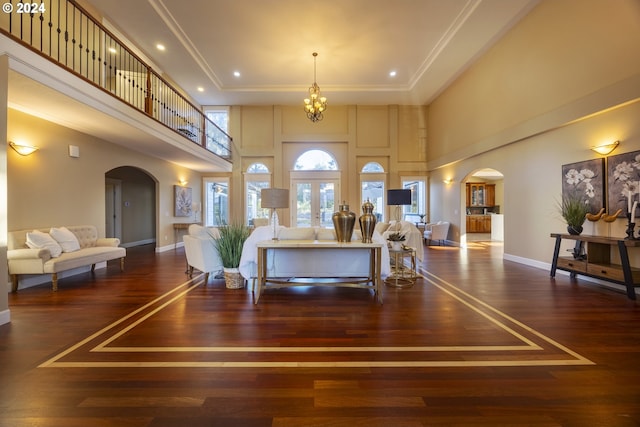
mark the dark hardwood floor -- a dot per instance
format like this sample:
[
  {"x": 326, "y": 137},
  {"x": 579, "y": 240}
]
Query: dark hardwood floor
[{"x": 477, "y": 341}]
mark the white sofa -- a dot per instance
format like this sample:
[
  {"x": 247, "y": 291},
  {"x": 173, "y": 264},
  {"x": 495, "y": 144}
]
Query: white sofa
[
  {"x": 46, "y": 259},
  {"x": 413, "y": 236},
  {"x": 290, "y": 263},
  {"x": 200, "y": 250}
]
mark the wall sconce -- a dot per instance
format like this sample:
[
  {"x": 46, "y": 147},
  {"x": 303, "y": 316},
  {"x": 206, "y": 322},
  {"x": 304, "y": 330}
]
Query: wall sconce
[
  {"x": 606, "y": 149},
  {"x": 448, "y": 181},
  {"x": 182, "y": 182},
  {"x": 23, "y": 149}
]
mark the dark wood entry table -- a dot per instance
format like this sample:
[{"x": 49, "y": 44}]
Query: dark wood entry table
[{"x": 592, "y": 257}]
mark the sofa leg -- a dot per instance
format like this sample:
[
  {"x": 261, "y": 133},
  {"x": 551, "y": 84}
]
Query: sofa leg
[
  {"x": 121, "y": 264},
  {"x": 54, "y": 282},
  {"x": 206, "y": 278},
  {"x": 190, "y": 271},
  {"x": 93, "y": 268},
  {"x": 14, "y": 283}
]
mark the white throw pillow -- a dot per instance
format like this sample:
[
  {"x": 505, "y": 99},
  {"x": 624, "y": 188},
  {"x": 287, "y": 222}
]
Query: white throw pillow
[
  {"x": 39, "y": 240},
  {"x": 297, "y": 233},
  {"x": 67, "y": 240},
  {"x": 326, "y": 234}
]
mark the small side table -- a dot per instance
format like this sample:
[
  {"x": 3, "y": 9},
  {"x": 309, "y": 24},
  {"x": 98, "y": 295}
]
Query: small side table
[{"x": 402, "y": 276}]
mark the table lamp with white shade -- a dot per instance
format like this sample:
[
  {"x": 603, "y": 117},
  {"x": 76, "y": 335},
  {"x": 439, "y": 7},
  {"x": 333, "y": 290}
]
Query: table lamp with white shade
[{"x": 274, "y": 198}]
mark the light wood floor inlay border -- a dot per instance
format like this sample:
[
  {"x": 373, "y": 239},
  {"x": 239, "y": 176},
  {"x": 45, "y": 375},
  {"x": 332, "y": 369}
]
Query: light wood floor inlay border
[{"x": 534, "y": 348}]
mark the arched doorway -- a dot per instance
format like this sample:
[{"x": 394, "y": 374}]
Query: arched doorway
[
  {"x": 315, "y": 184},
  {"x": 482, "y": 206},
  {"x": 130, "y": 206}
]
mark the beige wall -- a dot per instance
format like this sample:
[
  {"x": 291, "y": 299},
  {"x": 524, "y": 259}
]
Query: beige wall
[
  {"x": 394, "y": 136},
  {"x": 50, "y": 188},
  {"x": 562, "y": 52},
  {"x": 4, "y": 82},
  {"x": 539, "y": 99}
]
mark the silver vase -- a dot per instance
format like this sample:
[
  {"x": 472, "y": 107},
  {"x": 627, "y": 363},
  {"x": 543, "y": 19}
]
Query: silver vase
[
  {"x": 343, "y": 222},
  {"x": 367, "y": 222}
]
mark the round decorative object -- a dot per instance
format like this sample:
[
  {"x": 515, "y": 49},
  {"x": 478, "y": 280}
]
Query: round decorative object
[
  {"x": 343, "y": 222},
  {"x": 574, "y": 230},
  {"x": 367, "y": 222},
  {"x": 233, "y": 279}
]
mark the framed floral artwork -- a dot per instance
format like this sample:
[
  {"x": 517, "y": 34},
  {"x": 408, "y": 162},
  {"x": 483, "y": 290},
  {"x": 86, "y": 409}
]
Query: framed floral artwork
[
  {"x": 183, "y": 200},
  {"x": 623, "y": 182},
  {"x": 585, "y": 180}
]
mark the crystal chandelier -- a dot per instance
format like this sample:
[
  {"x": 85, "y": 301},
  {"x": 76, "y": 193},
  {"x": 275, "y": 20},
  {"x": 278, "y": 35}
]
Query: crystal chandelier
[{"x": 315, "y": 104}]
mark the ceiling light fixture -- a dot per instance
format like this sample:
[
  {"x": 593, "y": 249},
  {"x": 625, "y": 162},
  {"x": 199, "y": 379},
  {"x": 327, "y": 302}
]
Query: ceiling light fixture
[{"x": 315, "y": 104}]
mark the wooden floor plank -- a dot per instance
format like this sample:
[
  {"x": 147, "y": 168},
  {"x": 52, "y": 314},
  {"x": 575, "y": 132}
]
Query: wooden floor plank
[{"x": 470, "y": 307}]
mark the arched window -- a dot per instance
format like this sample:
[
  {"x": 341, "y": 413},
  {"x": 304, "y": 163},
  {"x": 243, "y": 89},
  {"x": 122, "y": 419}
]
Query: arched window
[
  {"x": 372, "y": 167},
  {"x": 256, "y": 178},
  {"x": 316, "y": 160},
  {"x": 257, "y": 168}
]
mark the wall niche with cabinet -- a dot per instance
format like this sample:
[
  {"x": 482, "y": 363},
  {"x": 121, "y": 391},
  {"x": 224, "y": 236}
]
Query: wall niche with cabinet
[{"x": 481, "y": 204}]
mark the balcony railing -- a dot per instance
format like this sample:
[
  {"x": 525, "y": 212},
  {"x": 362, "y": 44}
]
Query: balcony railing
[{"x": 63, "y": 32}]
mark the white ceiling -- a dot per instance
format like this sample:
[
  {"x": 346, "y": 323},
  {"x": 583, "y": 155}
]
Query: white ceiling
[
  {"x": 428, "y": 43},
  {"x": 270, "y": 43}
]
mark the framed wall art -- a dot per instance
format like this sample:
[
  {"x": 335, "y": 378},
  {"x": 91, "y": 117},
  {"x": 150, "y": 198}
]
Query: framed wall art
[
  {"x": 585, "y": 180},
  {"x": 183, "y": 200},
  {"x": 623, "y": 182}
]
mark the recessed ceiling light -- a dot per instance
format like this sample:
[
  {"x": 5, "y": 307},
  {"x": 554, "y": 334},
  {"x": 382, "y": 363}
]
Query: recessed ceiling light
[
  {"x": 392, "y": 74},
  {"x": 236, "y": 73},
  {"x": 200, "y": 89},
  {"x": 160, "y": 47}
]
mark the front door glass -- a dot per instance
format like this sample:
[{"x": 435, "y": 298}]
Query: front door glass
[{"x": 315, "y": 203}]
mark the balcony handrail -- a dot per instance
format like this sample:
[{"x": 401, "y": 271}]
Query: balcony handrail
[{"x": 77, "y": 42}]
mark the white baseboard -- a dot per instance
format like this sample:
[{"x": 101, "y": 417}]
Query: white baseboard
[
  {"x": 5, "y": 317},
  {"x": 138, "y": 243},
  {"x": 170, "y": 247},
  {"x": 547, "y": 266}
]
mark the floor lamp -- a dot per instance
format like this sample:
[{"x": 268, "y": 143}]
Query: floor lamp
[
  {"x": 398, "y": 198},
  {"x": 274, "y": 198}
]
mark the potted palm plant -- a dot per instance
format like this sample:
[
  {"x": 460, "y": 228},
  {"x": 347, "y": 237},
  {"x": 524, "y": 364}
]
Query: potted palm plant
[
  {"x": 574, "y": 210},
  {"x": 229, "y": 245}
]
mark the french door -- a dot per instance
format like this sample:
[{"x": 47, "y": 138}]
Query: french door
[{"x": 315, "y": 201}]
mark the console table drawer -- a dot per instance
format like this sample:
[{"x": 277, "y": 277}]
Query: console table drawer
[
  {"x": 606, "y": 271},
  {"x": 572, "y": 264}
]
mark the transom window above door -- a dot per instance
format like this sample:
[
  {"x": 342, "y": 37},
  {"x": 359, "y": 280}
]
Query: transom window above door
[{"x": 316, "y": 160}]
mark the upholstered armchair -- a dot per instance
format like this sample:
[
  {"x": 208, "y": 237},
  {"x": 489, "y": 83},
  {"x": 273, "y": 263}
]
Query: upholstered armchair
[
  {"x": 199, "y": 247},
  {"x": 436, "y": 231}
]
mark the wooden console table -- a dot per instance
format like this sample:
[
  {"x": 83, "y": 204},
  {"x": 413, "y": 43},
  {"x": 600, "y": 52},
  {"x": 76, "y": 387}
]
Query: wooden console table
[
  {"x": 310, "y": 247},
  {"x": 592, "y": 257},
  {"x": 177, "y": 227}
]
